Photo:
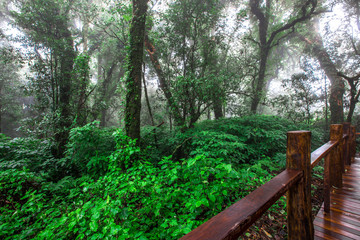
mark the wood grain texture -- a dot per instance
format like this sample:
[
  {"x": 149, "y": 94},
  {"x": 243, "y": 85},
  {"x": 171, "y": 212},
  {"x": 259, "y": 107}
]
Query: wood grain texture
[
  {"x": 343, "y": 220},
  {"x": 298, "y": 157},
  {"x": 346, "y": 130},
  {"x": 336, "y": 132},
  {"x": 233, "y": 221},
  {"x": 353, "y": 142}
]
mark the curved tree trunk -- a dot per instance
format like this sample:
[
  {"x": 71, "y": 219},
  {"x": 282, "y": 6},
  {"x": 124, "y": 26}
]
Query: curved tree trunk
[
  {"x": 337, "y": 88},
  {"x": 175, "y": 111}
]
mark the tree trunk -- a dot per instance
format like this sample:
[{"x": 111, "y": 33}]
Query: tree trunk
[
  {"x": 84, "y": 77},
  {"x": 217, "y": 106},
  {"x": 0, "y": 108},
  {"x": 66, "y": 66},
  {"x": 354, "y": 93},
  {"x": 337, "y": 88},
  {"x": 260, "y": 84},
  {"x": 133, "y": 81},
  {"x": 174, "y": 109},
  {"x": 269, "y": 39},
  {"x": 351, "y": 110},
  {"x": 147, "y": 100}
]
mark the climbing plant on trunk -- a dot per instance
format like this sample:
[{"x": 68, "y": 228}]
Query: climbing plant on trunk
[{"x": 133, "y": 79}]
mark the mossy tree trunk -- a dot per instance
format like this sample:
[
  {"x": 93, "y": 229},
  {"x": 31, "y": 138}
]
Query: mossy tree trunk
[{"x": 133, "y": 80}]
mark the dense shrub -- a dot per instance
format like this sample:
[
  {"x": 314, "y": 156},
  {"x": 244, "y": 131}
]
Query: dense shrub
[
  {"x": 237, "y": 140},
  {"x": 30, "y": 153},
  {"x": 88, "y": 149},
  {"x": 147, "y": 201},
  {"x": 112, "y": 189}
]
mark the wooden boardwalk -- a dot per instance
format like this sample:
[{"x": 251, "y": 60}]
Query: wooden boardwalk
[{"x": 343, "y": 221}]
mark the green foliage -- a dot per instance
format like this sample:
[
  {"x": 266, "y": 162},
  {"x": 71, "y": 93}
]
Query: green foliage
[
  {"x": 236, "y": 140},
  {"x": 128, "y": 193},
  {"x": 30, "y": 153},
  {"x": 163, "y": 201},
  {"x": 89, "y": 147}
]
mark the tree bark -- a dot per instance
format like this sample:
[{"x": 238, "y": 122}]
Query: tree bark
[
  {"x": 267, "y": 40},
  {"x": 133, "y": 81},
  {"x": 147, "y": 100},
  {"x": 337, "y": 88},
  {"x": 66, "y": 67},
  {"x": 1, "y": 109},
  {"x": 217, "y": 106},
  {"x": 174, "y": 109},
  {"x": 84, "y": 77},
  {"x": 354, "y": 93},
  {"x": 260, "y": 84}
]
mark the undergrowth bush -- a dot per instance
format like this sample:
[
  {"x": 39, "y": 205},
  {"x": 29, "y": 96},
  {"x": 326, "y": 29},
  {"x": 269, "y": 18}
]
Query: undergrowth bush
[
  {"x": 237, "y": 140},
  {"x": 112, "y": 189},
  {"x": 88, "y": 149},
  {"x": 30, "y": 153}
]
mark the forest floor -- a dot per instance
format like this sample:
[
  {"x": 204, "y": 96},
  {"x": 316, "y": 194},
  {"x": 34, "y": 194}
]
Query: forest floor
[{"x": 272, "y": 225}]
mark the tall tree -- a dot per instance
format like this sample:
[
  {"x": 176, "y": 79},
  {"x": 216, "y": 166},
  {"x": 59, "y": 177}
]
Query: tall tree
[
  {"x": 133, "y": 80},
  {"x": 183, "y": 59},
  {"x": 337, "y": 87},
  {"x": 47, "y": 25},
  {"x": 10, "y": 95},
  {"x": 271, "y": 32}
]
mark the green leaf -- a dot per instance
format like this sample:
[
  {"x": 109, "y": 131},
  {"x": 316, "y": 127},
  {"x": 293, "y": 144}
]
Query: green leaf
[
  {"x": 227, "y": 167},
  {"x": 127, "y": 17},
  {"x": 212, "y": 198},
  {"x": 93, "y": 226},
  {"x": 191, "y": 162},
  {"x": 205, "y": 202}
]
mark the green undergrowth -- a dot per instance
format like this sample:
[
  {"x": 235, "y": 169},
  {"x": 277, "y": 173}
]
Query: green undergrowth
[
  {"x": 106, "y": 187},
  {"x": 237, "y": 140}
]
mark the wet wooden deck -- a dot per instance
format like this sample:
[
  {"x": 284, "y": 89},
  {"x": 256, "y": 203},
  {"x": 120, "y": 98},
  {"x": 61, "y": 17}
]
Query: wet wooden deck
[{"x": 343, "y": 221}]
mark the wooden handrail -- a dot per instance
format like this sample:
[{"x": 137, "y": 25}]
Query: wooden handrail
[
  {"x": 233, "y": 221},
  {"x": 295, "y": 180},
  {"x": 322, "y": 151}
]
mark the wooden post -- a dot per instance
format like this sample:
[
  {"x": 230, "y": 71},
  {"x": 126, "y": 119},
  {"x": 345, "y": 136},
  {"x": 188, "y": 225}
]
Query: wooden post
[
  {"x": 346, "y": 130},
  {"x": 299, "y": 221},
  {"x": 336, "y": 133},
  {"x": 327, "y": 181},
  {"x": 353, "y": 142}
]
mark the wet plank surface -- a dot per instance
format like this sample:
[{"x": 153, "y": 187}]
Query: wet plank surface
[{"x": 343, "y": 221}]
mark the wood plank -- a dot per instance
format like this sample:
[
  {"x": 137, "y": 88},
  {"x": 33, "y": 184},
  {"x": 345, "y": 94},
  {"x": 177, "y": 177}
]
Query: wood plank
[
  {"x": 343, "y": 220},
  {"x": 331, "y": 234},
  {"x": 321, "y": 235},
  {"x": 336, "y": 228},
  {"x": 322, "y": 151},
  {"x": 348, "y": 193},
  {"x": 348, "y": 198},
  {"x": 335, "y": 216},
  {"x": 233, "y": 221},
  {"x": 341, "y": 211},
  {"x": 336, "y": 221},
  {"x": 345, "y": 202}
]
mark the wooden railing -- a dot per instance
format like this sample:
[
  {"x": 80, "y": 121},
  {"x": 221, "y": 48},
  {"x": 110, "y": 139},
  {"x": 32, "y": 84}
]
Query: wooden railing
[{"x": 295, "y": 181}]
